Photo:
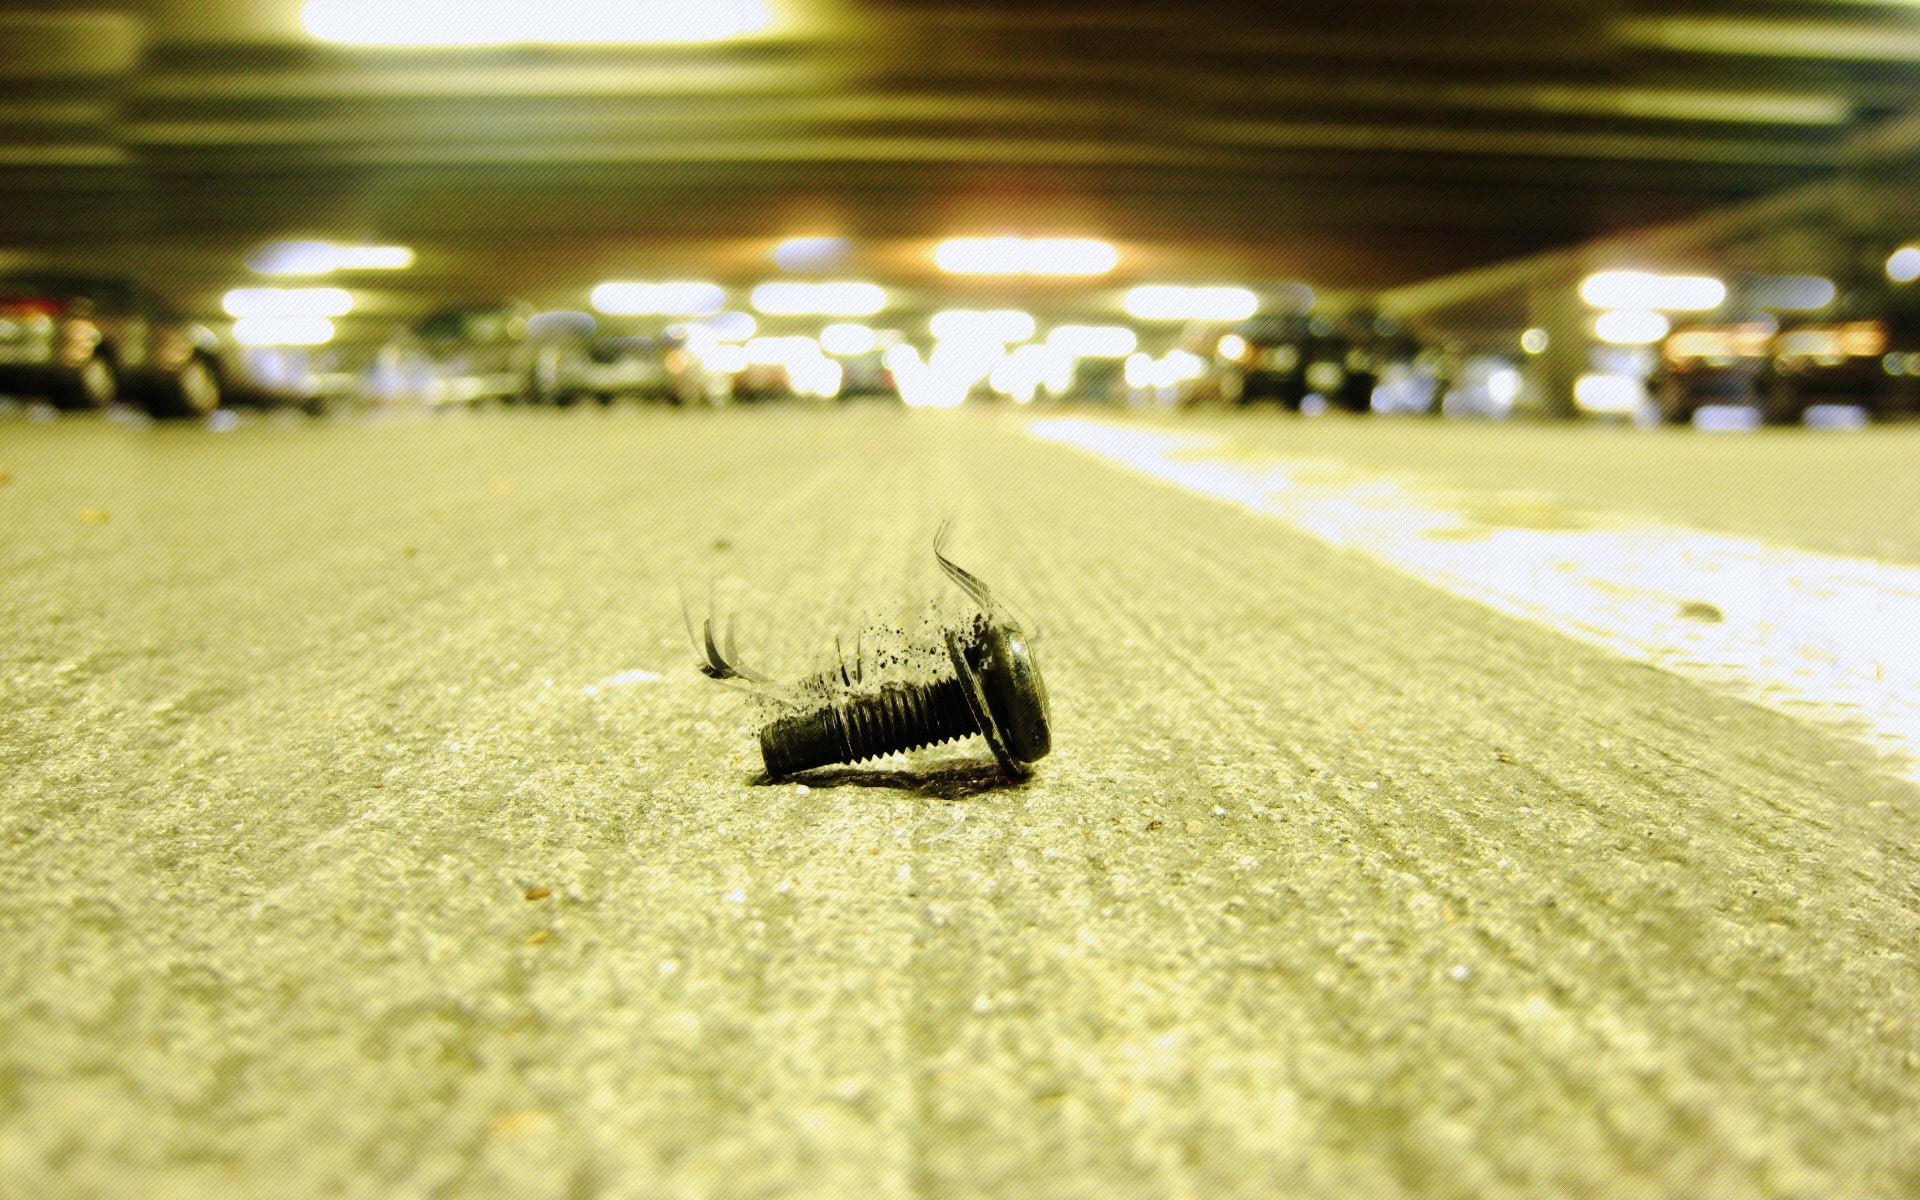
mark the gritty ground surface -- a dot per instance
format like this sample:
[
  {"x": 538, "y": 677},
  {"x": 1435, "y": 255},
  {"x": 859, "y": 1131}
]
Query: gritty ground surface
[{"x": 334, "y": 861}]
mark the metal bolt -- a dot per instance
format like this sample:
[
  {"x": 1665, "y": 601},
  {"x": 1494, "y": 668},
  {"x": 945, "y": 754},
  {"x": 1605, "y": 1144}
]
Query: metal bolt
[{"x": 995, "y": 691}]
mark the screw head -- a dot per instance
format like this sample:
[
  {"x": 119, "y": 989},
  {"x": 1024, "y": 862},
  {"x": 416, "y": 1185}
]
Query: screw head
[{"x": 1005, "y": 692}]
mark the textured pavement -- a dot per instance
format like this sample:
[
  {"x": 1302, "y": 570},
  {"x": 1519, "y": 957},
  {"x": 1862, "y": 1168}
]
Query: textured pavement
[{"x": 349, "y": 845}]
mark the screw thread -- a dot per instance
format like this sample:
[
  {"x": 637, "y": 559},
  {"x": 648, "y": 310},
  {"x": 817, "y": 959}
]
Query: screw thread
[{"x": 893, "y": 718}]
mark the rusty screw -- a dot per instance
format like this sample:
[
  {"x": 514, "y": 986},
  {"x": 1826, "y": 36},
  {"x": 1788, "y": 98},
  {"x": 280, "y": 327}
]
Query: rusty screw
[{"x": 995, "y": 691}]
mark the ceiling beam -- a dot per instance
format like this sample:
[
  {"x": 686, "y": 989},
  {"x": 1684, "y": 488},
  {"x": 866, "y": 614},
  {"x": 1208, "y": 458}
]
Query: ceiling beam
[
  {"x": 68, "y": 45},
  {"x": 1761, "y": 38}
]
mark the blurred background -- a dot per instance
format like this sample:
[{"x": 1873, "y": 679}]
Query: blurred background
[
  {"x": 1610, "y": 209},
  {"x": 1455, "y": 460}
]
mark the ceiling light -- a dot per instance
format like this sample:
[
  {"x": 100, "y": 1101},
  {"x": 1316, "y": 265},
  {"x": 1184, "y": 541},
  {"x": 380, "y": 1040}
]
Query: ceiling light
[
  {"x": 1165, "y": 302},
  {"x": 1643, "y": 289},
  {"x": 372, "y": 258},
  {"x": 1631, "y": 327},
  {"x": 324, "y": 258},
  {"x": 847, "y": 338},
  {"x": 515, "y": 22},
  {"x": 1094, "y": 341},
  {"x": 1002, "y": 325},
  {"x": 287, "y": 302},
  {"x": 282, "y": 331},
  {"x": 1233, "y": 347},
  {"x": 1025, "y": 256},
  {"x": 1787, "y": 293},
  {"x": 1903, "y": 265},
  {"x": 843, "y": 299},
  {"x": 1535, "y": 341},
  {"x": 683, "y": 298},
  {"x": 811, "y": 253}
]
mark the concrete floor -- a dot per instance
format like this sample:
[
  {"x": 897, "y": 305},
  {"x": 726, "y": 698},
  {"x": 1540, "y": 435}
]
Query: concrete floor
[{"x": 342, "y": 855}]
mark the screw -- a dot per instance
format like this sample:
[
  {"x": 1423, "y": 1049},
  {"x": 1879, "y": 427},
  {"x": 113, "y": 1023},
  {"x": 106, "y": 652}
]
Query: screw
[{"x": 995, "y": 691}]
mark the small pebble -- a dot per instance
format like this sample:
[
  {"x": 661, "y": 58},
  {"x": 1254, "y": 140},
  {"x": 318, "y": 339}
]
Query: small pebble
[{"x": 539, "y": 893}]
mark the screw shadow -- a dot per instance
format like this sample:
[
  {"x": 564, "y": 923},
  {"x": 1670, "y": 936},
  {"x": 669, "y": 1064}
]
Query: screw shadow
[{"x": 958, "y": 781}]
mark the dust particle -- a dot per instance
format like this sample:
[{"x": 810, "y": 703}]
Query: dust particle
[
  {"x": 94, "y": 516},
  {"x": 539, "y": 893},
  {"x": 537, "y": 936},
  {"x": 1700, "y": 610}
]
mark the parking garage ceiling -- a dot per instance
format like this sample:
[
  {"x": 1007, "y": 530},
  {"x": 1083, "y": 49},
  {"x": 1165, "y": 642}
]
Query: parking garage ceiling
[{"x": 1350, "y": 143}]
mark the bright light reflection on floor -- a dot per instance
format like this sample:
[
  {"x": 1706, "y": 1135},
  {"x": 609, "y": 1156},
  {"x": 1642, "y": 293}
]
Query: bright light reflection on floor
[{"x": 1815, "y": 636}]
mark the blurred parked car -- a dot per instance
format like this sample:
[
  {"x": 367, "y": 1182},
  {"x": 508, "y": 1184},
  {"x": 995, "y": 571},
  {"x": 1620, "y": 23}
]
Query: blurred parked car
[
  {"x": 1410, "y": 383},
  {"x": 1707, "y": 365},
  {"x": 1305, "y": 360},
  {"x": 1482, "y": 387},
  {"x": 1373, "y": 351},
  {"x": 604, "y": 368},
  {"x": 1274, "y": 364},
  {"x": 867, "y": 375},
  {"x": 1871, "y": 365},
  {"x": 1853, "y": 364},
  {"x": 464, "y": 355},
  {"x": 314, "y": 379},
  {"x": 87, "y": 342}
]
